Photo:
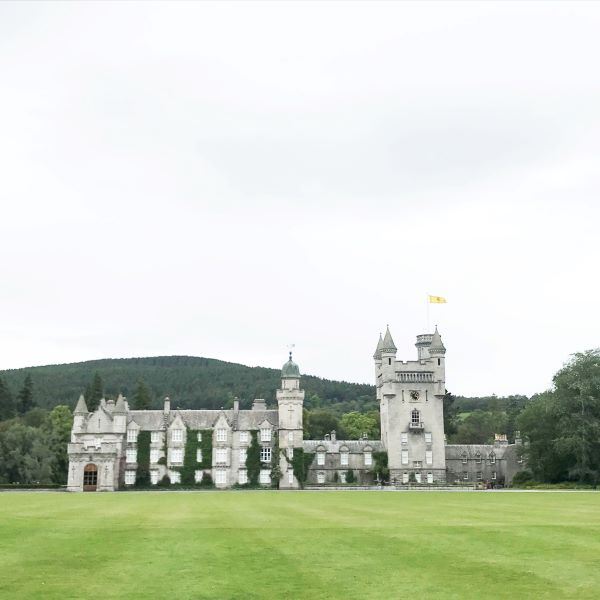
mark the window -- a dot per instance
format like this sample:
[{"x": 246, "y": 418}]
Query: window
[
  {"x": 494, "y": 475},
  {"x": 221, "y": 435},
  {"x": 198, "y": 454},
  {"x": 344, "y": 459},
  {"x": 177, "y": 435},
  {"x": 478, "y": 458},
  {"x": 98, "y": 442},
  {"x": 265, "y": 455},
  {"x": 132, "y": 435},
  {"x": 290, "y": 453},
  {"x": 290, "y": 477},
  {"x": 466, "y": 475},
  {"x": 154, "y": 477},
  {"x": 154, "y": 455},
  {"x": 404, "y": 477},
  {"x": 404, "y": 438},
  {"x": 429, "y": 477},
  {"x": 264, "y": 477},
  {"x": 415, "y": 417},
  {"x": 155, "y": 437},
  {"x": 221, "y": 456},
  {"x": 198, "y": 474},
  {"x": 175, "y": 477},
  {"x": 428, "y": 437},
  {"x": 129, "y": 477},
  {"x": 243, "y": 477},
  {"x": 243, "y": 455},
  {"x": 368, "y": 459},
  {"x": 428, "y": 457},
  {"x": 176, "y": 455},
  {"x": 291, "y": 438},
  {"x": 342, "y": 476},
  {"x": 404, "y": 457},
  {"x": 418, "y": 477},
  {"x": 131, "y": 455},
  {"x": 464, "y": 458},
  {"x": 243, "y": 437},
  {"x": 479, "y": 476},
  {"x": 492, "y": 458},
  {"x": 221, "y": 477},
  {"x": 265, "y": 435},
  {"x": 199, "y": 438},
  {"x": 417, "y": 463},
  {"x": 320, "y": 477},
  {"x": 321, "y": 458}
]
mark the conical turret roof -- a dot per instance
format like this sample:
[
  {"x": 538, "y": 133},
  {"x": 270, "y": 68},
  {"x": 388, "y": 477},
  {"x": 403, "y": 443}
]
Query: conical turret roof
[
  {"x": 120, "y": 405},
  {"x": 436, "y": 343},
  {"x": 377, "y": 355},
  {"x": 81, "y": 408},
  {"x": 388, "y": 343}
]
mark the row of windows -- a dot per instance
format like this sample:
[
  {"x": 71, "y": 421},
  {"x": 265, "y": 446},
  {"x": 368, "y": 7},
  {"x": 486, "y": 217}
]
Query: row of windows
[
  {"x": 220, "y": 434},
  {"x": 368, "y": 458},
  {"x": 264, "y": 477},
  {"x": 418, "y": 478},
  {"x": 417, "y": 463},
  {"x": 479, "y": 476},
  {"x": 220, "y": 455},
  {"x": 404, "y": 437},
  {"x": 491, "y": 457}
]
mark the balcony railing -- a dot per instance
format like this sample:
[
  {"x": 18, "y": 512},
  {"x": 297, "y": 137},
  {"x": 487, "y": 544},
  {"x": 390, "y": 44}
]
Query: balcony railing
[{"x": 416, "y": 426}]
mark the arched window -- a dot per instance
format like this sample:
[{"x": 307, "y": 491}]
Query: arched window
[{"x": 415, "y": 417}]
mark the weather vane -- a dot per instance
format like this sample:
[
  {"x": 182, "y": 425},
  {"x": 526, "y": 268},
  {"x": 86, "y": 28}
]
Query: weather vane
[{"x": 290, "y": 346}]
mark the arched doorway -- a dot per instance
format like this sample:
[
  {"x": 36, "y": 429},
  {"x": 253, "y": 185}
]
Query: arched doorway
[{"x": 90, "y": 478}]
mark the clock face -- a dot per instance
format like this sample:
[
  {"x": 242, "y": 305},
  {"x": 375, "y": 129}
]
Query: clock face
[{"x": 414, "y": 394}]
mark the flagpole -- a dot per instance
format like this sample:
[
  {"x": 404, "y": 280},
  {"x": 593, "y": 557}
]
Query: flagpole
[{"x": 427, "y": 330}]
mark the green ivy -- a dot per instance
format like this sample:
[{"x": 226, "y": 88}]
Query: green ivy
[
  {"x": 350, "y": 478},
  {"x": 381, "y": 466},
  {"x": 190, "y": 464},
  {"x": 206, "y": 445},
  {"x": 275, "y": 467},
  {"x": 142, "y": 476},
  {"x": 301, "y": 463},
  {"x": 253, "y": 459}
]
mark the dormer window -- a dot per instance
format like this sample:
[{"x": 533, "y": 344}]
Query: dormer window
[
  {"x": 265, "y": 435},
  {"x": 177, "y": 435},
  {"x": 221, "y": 435},
  {"x": 478, "y": 457},
  {"x": 132, "y": 435},
  {"x": 464, "y": 458},
  {"x": 492, "y": 458}
]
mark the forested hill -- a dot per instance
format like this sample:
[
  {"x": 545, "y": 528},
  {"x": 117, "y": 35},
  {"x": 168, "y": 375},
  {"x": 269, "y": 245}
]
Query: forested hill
[{"x": 191, "y": 382}]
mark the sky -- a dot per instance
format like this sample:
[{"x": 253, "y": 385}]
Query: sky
[{"x": 227, "y": 179}]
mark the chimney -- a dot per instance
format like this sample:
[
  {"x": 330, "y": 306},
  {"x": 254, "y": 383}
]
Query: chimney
[
  {"x": 259, "y": 404},
  {"x": 236, "y": 405},
  {"x": 167, "y": 407},
  {"x": 333, "y": 436}
]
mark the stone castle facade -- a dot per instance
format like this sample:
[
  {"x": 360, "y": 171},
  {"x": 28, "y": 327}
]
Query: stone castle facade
[{"x": 103, "y": 453}]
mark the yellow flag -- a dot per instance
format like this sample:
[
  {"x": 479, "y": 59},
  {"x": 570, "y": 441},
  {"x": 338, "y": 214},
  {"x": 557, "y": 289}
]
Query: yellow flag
[{"x": 437, "y": 300}]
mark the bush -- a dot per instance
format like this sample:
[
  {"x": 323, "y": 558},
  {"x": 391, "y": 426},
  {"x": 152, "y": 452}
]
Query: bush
[
  {"x": 164, "y": 482},
  {"x": 350, "y": 476},
  {"x": 522, "y": 477}
]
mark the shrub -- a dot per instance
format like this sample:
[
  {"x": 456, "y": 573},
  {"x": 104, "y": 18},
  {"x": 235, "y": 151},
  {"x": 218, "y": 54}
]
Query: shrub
[
  {"x": 350, "y": 476},
  {"x": 522, "y": 477},
  {"x": 164, "y": 482}
]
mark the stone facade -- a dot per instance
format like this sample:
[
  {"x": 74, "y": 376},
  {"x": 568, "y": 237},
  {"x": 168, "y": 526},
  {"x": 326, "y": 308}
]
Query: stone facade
[{"x": 103, "y": 452}]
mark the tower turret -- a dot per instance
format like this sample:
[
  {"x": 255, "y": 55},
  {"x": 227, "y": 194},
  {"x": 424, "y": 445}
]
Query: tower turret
[
  {"x": 120, "y": 415},
  {"x": 437, "y": 352},
  {"x": 80, "y": 414},
  {"x": 388, "y": 356},
  {"x": 290, "y": 404},
  {"x": 377, "y": 358}
]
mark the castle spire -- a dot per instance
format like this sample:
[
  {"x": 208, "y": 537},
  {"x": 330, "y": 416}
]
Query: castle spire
[
  {"x": 81, "y": 408},
  {"x": 388, "y": 343},
  {"x": 437, "y": 346},
  {"x": 377, "y": 355}
]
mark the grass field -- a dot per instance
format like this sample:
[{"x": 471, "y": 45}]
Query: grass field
[{"x": 311, "y": 545}]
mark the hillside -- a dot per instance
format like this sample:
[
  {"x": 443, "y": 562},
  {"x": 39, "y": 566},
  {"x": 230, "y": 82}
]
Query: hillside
[{"x": 191, "y": 382}]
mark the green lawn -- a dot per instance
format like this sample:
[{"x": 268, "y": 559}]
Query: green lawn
[{"x": 300, "y": 545}]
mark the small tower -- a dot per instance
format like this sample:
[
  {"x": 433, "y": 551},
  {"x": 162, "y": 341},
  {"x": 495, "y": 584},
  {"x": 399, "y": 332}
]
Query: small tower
[
  {"x": 377, "y": 359},
  {"x": 388, "y": 356},
  {"x": 79, "y": 416},
  {"x": 437, "y": 352},
  {"x": 290, "y": 403},
  {"x": 120, "y": 415}
]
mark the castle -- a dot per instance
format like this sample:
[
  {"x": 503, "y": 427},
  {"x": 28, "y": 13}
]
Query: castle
[{"x": 115, "y": 447}]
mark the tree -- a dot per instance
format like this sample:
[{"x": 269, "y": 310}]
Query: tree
[
  {"x": 141, "y": 397},
  {"x": 356, "y": 424},
  {"x": 320, "y": 422},
  {"x": 25, "y": 401},
  {"x": 450, "y": 414},
  {"x": 479, "y": 428},
  {"x": 58, "y": 428},
  {"x": 7, "y": 402},
  {"x": 95, "y": 392}
]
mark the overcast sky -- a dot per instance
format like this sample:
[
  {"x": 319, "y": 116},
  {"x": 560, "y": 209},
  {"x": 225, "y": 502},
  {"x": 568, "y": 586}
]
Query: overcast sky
[{"x": 223, "y": 180}]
